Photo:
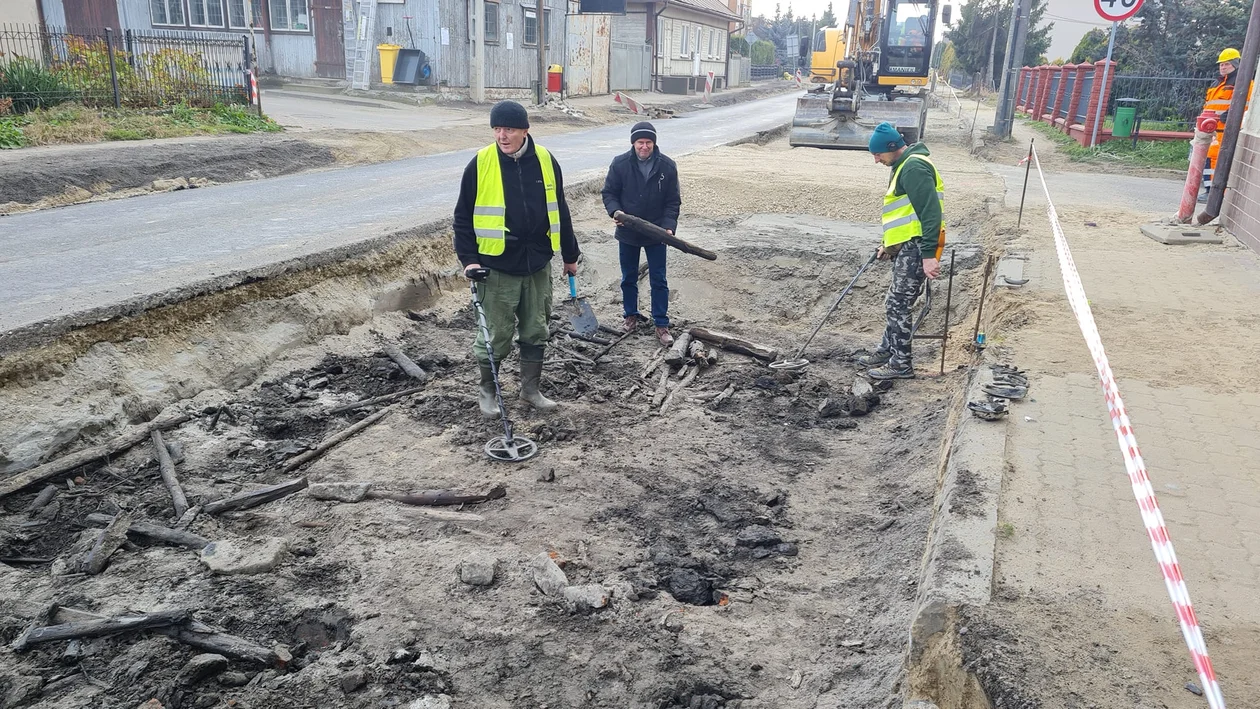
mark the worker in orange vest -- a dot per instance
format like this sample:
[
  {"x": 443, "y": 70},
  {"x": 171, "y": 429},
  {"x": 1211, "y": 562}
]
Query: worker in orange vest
[{"x": 1218, "y": 98}]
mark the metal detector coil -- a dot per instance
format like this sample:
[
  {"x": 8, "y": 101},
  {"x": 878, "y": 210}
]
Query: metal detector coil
[
  {"x": 790, "y": 365},
  {"x": 508, "y": 448}
]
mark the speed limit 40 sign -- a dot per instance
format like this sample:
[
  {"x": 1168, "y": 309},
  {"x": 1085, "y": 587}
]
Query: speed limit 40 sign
[{"x": 1117, "y": 10}]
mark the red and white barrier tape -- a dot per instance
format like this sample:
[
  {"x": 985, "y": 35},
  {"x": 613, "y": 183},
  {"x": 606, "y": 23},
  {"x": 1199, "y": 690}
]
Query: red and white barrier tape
[{"x": 1133, "y": 463}]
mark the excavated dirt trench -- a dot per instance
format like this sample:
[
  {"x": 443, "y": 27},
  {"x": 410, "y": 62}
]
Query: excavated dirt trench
[{"x": 757, "y": 553}]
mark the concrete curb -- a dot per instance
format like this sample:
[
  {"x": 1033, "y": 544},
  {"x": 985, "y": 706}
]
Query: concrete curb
[
  {"x": 46, "y": 331},
  {"x": 957, "y": 567}
]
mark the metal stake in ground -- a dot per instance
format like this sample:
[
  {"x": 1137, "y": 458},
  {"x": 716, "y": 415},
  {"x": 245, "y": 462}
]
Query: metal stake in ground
[
  {"x": 797, "y": 362},
  {"x": 508, "y": 448},
  {"x": 1022, "y": 195}
]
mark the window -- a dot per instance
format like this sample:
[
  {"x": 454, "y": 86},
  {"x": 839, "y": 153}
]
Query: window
[
  {"x": 531, "y": 27},
  {"x": 167, "y": 12},
  {"x": 712, "y": 43},
  {"x": 492, "y": 22},
  {"x": 290, "y": 15},
  {"x": 911, "y": 24},
  {"x": 660, "y": 36},
  {"x": 205, "y": 13},
  {"x": 236, "y": 14},
  {"x": 684, "y": 48}
]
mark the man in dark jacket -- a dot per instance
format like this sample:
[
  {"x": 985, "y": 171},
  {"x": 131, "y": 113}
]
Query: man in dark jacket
[
  {"x": 914, "y": 236},
  {"x": 510, "y": 219},
  {"x": 644, "y": 183}
]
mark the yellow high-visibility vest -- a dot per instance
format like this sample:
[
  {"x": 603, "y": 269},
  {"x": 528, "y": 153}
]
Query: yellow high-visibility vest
[
  {"x": 490, "y": 209},
  {"x": 901, "y": 224}
]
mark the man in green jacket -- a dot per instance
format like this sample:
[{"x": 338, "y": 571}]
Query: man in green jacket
[{"x": 914, "y": 236}]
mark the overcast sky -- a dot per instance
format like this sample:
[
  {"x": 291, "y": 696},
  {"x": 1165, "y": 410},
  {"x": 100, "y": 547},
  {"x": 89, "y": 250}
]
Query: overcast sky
[{"x": 1072, "y": 18}]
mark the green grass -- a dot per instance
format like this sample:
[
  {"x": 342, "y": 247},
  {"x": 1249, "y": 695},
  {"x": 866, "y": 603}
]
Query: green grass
[
  {"x": 74, "y": 123},
  {"x": 1164, "y": 154}
]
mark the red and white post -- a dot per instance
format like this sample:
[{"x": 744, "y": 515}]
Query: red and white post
[{"x": 1205, "y": 130}]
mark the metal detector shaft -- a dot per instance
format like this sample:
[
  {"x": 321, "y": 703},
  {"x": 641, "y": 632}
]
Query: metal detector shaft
[
  {"x": 836, "y": 304},
  {"x": 494, "y": 367}
]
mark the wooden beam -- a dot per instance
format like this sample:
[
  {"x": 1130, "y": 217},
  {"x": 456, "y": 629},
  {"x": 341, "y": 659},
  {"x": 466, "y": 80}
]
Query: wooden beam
[
  {"x": 655, "y": 232},
  {"x": 733, "y": 343}
]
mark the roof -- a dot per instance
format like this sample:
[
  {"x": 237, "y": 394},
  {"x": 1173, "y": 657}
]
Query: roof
[{"x": 711, "y": 7}]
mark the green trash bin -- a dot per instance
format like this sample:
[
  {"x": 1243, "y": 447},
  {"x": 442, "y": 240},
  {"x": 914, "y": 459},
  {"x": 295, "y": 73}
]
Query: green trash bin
[{"x": 1123, "y": 124}]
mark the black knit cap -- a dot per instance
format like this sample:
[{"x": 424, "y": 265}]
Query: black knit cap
[
  {"x": 509, "y": 114},
  {"x": 641, "y": 130}
]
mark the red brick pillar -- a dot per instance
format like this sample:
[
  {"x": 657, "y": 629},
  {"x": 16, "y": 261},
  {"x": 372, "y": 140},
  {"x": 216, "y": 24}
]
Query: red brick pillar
[
  {"x": 1043, "y": 91},
  {"x": 1099, "y": 93}
]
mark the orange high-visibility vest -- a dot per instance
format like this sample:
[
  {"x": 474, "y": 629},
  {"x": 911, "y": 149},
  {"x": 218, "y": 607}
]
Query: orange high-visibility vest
[{"x": 1218, "y": 98}]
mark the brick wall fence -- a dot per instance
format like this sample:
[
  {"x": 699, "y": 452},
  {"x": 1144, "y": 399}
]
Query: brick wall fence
[{"x": 1067, "y": 98}]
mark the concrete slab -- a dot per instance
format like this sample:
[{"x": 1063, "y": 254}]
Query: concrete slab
[
  {"x": 1179, "y": 235},
  {"x": 1009, "y": 273}
]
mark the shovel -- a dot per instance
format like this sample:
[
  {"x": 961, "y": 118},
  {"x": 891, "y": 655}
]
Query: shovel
[{"x": 581, "y": 317}]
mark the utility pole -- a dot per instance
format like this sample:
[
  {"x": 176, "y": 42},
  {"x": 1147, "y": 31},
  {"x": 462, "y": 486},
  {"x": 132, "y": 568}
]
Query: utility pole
[
  {"x": 477, "y": 59},
  {"x": 1010, "y": 75},
  {"x": 997, "y": 12},
  {"x": 541, "y": 12},
  {"x": 1233, "y": 119}
]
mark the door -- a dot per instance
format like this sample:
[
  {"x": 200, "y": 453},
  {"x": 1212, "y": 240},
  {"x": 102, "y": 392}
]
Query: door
[
  {"x": 695, "y": 54},
  {"x": 330, "y": 49},
  {"x": 92, "y": 15}
]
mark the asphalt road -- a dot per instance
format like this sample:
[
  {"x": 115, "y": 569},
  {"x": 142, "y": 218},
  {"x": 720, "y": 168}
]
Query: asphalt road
[{"x": 62, "y": 265}]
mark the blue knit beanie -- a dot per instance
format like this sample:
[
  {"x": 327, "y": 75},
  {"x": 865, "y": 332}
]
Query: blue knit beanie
[{"x": 886, "y": 139}]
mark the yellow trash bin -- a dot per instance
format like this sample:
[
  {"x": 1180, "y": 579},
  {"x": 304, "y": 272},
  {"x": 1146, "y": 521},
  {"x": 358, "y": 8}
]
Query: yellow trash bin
[{"x": 389, "y": 57}]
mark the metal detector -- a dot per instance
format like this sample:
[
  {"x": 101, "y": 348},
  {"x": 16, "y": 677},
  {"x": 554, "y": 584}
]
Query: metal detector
[
  {"x": 797, "y": 362},
  {"x": 508, "y": 447}
]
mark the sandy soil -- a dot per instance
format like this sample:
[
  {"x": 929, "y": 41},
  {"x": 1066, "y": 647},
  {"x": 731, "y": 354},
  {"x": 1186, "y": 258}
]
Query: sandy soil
[{"x": 657, "y": 506}]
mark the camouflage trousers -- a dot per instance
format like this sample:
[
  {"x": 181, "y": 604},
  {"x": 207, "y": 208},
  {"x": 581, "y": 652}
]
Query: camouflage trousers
[{"x": 907, "y": 282}]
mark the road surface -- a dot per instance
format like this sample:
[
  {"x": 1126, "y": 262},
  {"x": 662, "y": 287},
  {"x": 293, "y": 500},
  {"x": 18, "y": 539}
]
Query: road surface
[{"x": 66, "y": 267}]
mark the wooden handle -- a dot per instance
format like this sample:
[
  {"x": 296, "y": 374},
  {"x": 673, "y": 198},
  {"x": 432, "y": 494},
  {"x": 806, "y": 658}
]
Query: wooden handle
[{"x": 651, "y": 230}]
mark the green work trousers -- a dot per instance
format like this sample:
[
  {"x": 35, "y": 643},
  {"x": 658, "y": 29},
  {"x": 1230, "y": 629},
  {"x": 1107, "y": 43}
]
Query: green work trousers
[{"x": 519, "y": 305}]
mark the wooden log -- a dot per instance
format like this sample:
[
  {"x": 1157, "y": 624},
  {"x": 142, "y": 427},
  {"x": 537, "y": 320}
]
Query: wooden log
[
  {"x": 571, "y": 354},
  {"x": 630, "y": 392},
  {"x": 69, "y": 462},
  {"x": 187, "y": 519},
  {"x": 408, "y": 366},
  {"x": 713, "y": 356},
  {"x": 727, "y": 393},
  {"x": 733, "y": 343},
  {"x": 254, "y": 498},
  {"x": 698, "y": 353},
  {"x": 440, "y": 498},
  {"x": 326, "y": 444},
  {"x": 42, "y": 500},
  {"x": 167, "y": 535},
  {"x": 678, "y": 353},
  {"x": 42, "y": 618},
  {"x": 100, "y": 628},
  {"x": 169, "y": 479},
  {"x": 383, "y": 399},
  {"x": 655, "y": 232},
  {"x": 679, "y": 386},
  {"x": 194, "y": 634},
  {"x": 107, "y": 542},
  {"x": 659, "y": 397},
  {"x": 207, "y": 639},
  {"x": 653, "y": 363}
]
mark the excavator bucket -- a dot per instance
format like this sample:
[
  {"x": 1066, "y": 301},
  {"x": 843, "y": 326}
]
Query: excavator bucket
[{"x": 816, "y": 127}]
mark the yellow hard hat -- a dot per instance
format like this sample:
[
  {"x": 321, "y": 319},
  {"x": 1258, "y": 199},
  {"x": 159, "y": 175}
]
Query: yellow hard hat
[{"x": 1228, "y": 55}]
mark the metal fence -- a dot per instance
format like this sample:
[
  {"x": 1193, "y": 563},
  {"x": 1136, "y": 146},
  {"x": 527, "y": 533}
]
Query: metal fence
[
  {"x": 1066, "y": 103},
  {"x": 42, "y": 67},
  {"x": 1052, "y": 101},
  {"x": 1086, "y": 90},
  {"x": 761, "y": 72},
  {"x": 1173, "y": 100}
]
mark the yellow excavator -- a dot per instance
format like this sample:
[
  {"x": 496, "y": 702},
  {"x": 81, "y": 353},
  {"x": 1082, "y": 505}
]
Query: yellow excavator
[{"x": 874, "y": 70}]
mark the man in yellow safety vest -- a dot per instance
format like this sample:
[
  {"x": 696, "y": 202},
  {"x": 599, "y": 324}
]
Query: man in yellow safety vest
[
  {"x": 510, "y": 219},
  {"x": 914, "y": 236}
]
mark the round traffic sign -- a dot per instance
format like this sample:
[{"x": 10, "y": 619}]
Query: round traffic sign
[{"x": 1117, "y": 10}]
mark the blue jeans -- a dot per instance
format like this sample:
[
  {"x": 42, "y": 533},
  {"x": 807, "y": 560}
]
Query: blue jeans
[{"x": 656, "y": 277}]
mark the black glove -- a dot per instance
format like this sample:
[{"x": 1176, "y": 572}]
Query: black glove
[{"x": 477, "y": 274}]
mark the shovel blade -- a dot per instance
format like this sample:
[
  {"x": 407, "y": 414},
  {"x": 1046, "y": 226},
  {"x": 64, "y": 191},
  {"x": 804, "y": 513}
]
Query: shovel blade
[{"x": 582, "y": 318}]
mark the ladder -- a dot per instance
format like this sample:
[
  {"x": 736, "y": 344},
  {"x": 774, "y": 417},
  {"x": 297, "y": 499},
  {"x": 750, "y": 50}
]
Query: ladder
[{"x": 361, "y": 75}]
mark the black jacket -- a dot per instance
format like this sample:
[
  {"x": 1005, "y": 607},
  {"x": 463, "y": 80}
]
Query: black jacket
[
  {"x": 656, "y": 199},
  {"x": 528, "y": 248}
]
